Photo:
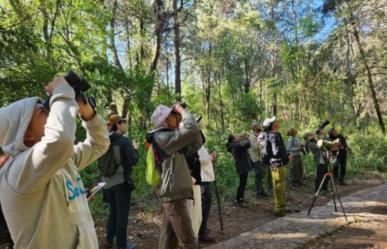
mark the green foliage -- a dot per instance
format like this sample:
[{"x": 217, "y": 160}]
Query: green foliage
[
  {"x": 369, "y": 151},
  {"x": 241, "y": 60}
]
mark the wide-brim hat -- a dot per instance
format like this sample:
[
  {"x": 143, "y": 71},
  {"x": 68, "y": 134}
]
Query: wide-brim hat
[{"x": 159, "y": 115}]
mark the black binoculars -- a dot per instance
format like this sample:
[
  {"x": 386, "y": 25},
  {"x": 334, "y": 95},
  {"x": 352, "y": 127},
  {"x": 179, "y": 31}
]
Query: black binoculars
[
  {"x": 80, "y": 86},
  {"x": 322, "y": 126}
]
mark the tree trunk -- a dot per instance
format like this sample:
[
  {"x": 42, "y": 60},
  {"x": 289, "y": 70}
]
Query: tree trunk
[
  {"x": 128, "y": 46},
  {"x": 221, "y": 103},
  {"x": 370, "y": 81},
  {"x": 159, "y": 30},
  {"x": 112, "y": 37},
  {"x": 176, "y": 29}
]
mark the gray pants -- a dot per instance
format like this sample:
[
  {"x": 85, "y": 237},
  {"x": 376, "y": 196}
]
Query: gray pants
[
  {"x": 260, "y": 171},
  {"x": 176, "y": 227},
  {"x": 296, "y": 170}
]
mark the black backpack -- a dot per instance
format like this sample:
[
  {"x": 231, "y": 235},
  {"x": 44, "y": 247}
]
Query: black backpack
[
  {"x": 265, "y": 147},
  {"x": 110, "y": 161}
]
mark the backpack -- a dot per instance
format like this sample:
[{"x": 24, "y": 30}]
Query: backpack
[
  {"x": 155, "y": 157},
  {"x": 110, "y": 161},
  {"x": 265, "y": 147}
]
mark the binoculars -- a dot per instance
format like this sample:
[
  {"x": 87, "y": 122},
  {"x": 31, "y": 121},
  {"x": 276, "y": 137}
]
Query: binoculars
[
  {"x": 322, "y": 126},
  {"x": 80, "y": 86}
]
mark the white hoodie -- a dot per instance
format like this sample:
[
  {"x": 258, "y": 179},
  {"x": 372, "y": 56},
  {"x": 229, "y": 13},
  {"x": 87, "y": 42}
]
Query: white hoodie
[{"x": 41, "y": 191}]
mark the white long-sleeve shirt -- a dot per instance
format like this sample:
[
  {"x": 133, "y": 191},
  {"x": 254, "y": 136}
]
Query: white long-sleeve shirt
[{"x": 206, "y": 167}]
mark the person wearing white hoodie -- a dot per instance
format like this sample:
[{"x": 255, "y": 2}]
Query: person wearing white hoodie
[{"x": 42, "y": 194}]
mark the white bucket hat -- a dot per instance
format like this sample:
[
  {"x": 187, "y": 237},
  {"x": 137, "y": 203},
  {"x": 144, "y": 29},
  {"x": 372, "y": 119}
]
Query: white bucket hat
[
  {"x": 268, "y": 121},
  {"x": 159, "y": 115}
]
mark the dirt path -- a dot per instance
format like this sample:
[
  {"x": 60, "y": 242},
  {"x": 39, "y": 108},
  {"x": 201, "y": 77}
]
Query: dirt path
[
  {"x": 363, "y": 235},
  {"x": 358, "y": 235},
  {"x": 144, "y": 228}
]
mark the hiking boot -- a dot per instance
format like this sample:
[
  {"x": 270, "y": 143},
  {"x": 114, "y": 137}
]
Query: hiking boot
[
  {"x": 261, "y": 195},
  {"x": 240, "y": 203},
  {"x": 342, "y": 183},
  {"x": 205, "y": 239},
  {"x": 107, "y": 245},
  {"x": 280, "y": 214}
]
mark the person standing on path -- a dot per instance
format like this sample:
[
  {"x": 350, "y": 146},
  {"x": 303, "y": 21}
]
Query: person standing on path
[
  {"x": 238, "y": 146},
  {"x": 176, "y": 182},
  {"x": 278, "y": 158},
  {"x": 119, "y": 186},
  {"x": 340, "y": 164},
  {"x": 294, "y": 149},
  {"x": 255, "y": 155}
]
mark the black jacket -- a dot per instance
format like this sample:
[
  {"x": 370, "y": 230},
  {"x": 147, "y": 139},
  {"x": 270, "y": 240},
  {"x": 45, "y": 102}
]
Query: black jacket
[
  {"x": 278, "y": 147},
  {"x": 129, "y": 155},
  {"x": 239, "y": 151}
]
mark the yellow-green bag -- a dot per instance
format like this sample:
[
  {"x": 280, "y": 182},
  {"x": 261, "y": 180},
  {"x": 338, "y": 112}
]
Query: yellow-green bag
[{"x": 151, "y": 174}]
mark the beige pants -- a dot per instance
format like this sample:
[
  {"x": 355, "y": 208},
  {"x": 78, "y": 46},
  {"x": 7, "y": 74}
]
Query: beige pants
[{"x": 176, "y": 227}]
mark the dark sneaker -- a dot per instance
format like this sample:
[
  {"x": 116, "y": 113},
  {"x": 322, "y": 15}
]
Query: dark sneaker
[
  {"x": 128, "y": 246},
  {"x": 206, "y": 239},
  {"x": 342, "y": 183},
  {"x": 240, "y": 204}
]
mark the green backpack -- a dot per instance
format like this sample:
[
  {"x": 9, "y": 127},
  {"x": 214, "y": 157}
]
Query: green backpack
[{"x": 110, "y": 161}]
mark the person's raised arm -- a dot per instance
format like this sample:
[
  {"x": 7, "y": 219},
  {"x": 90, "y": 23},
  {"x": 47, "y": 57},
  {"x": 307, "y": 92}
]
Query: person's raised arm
[{"x": 97, "y": 139}]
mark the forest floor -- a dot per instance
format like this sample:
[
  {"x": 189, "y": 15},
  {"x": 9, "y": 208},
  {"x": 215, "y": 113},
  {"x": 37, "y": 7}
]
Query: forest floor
[{"x": 143, "y": 230}]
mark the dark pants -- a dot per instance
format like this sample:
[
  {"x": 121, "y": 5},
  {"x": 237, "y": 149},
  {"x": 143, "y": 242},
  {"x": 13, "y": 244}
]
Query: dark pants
[
  {"x": 269, "y": 179},
  {"x": 206, "y": 206},
  {"x": 118, "y": 198},
  {"x": 296, "y": 170},
  {"x": 176, "y": 227},
  {"x": 320, "y": 172},
  {"x": 5, "y": 237},
  {"x": 260, "y": 172},
  {"x": 242, "y": 186},
  {"x": 341, "y": 163}
]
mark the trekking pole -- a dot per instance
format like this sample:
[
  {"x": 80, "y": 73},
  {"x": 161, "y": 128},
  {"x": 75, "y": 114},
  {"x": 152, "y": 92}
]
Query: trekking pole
[{"x": 219, "y": 206}]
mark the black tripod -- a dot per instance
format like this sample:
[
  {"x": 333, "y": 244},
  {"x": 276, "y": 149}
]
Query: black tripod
[{"x": 328, "y": 177}]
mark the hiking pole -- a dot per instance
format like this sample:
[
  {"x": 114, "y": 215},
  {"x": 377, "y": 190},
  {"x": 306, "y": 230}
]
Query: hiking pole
[{"x": 219, "y": 207}]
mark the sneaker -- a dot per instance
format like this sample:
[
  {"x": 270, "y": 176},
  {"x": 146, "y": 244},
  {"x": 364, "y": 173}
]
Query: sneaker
[
  {"x": 342, "y": 183},
  {"x": 128, "y": 246},
  {"x": 205, "y": 239}
]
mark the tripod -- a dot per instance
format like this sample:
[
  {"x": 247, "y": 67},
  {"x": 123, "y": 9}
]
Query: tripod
[{"x": 328, "y": 177}]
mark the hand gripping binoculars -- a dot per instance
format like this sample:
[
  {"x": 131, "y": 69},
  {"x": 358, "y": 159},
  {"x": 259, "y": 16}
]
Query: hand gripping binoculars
[{"x": 80, "y": 86}]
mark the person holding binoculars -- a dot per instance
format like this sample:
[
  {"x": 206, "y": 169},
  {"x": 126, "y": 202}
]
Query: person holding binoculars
[
  {"x": 238, "y": 146},
  {"x": 43, "y": 197}
]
